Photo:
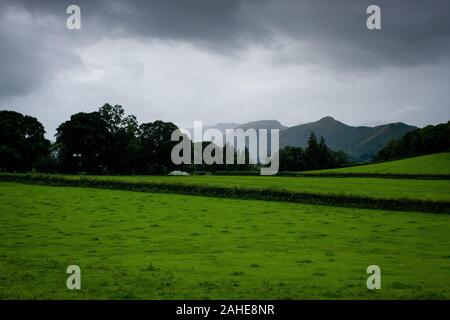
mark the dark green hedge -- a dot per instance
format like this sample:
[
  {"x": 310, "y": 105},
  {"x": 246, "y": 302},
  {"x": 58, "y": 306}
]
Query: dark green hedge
[{"x": 235, "y": 192}]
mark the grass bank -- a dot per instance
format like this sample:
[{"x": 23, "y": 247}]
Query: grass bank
[
  {"x": 431, "y": 166},
  {"x": 132, "y": 245}
]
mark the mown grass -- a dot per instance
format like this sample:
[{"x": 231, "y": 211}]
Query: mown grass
[
  {"x": 433, "y": 164},
  {"x": 140, "y": 245},
  {"x": 235, "y": 190},
  {"x": 373, "y": 187}
]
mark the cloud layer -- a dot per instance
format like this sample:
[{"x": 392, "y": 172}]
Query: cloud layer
[{"x": 234, "y": 60}]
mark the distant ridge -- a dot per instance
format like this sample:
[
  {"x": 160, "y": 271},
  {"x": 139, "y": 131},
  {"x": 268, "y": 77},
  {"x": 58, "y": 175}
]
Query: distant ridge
[
  {"x": 361, "y": 142},
  {"x": 263, "y": 124}
]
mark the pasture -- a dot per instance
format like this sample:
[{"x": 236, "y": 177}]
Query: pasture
[
  {"x": 157, "y": 246},
  {"x": 431, "y": 164},
  {"x": 379, "y": 188},
  {"x": 376, "y": 188}
]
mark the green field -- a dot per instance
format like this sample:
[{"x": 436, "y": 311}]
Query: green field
[
  {"x": 433, "y": 164},
  {"x": 370, "y": 187},
  {"x": 142, "y": 245}
]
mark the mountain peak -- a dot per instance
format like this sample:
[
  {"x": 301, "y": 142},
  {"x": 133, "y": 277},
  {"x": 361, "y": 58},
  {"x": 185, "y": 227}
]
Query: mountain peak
[
  {"x": 359, "y": 142},
  {"x": 263, "y": 124},
  {"x": 327, "y": 118},
  {"x": 329, "y": 121}
]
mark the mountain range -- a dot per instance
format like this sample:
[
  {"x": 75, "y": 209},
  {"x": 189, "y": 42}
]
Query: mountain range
[{"x": 361, "y": 143}]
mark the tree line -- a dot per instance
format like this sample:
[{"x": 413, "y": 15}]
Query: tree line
[
  {"x": 315, "y": 156},
  {"x": 430, "y": 139},
  {"x": 108, "y": 141}
]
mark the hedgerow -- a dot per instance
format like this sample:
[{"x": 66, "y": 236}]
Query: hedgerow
[
  {"x": 333, "y": 175},
  {"x": 267, "y": 194}
]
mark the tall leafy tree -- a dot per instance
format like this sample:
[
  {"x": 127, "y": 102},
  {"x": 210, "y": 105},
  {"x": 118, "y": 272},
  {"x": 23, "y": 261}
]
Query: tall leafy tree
[
  {"x": 82, "y": 143},
  {"x": 324, "y": 154},
  {"x": 317, "y": 155},
  {"x": 155, "y": 147},
  {"x": 123, "y": 144},
  {"x": 99, "y": 142},
  {"x": 292, "y": 159},
  {"x": 312, "y": 152},
  {"x": 22, "y": 143}
]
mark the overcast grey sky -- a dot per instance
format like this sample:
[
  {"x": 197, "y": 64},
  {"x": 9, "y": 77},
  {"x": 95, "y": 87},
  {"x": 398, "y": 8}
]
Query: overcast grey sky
[{"x": 228, "y": 61}]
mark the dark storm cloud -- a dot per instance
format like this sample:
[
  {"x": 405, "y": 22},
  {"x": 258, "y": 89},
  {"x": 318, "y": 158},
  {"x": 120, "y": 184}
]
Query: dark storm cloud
[
  {"x": 32, "y": 51},
  {"x": 36, "y": 48},
  {"x": 414, "y": 31},
  {"x": 207, "y": 21},
  {"x": 35, "y": 44}
]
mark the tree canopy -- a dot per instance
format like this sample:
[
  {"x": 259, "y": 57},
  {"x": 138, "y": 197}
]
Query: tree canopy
[
  {"x": 108, "y": 141},
  {"x": 430, "y": 139},
  {"x": 23, "y": 146},
  {"x": 316, "y": 155}
]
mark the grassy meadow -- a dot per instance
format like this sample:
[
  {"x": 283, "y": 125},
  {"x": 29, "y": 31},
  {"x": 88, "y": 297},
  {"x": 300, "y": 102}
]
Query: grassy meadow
[
  {"x": 157, "y": 244},
  {"x": 378, "y": 188},
  {"x": 135, "y": 245},
  {"x": 371, "y": 187},
  {"x": 432, "y": 164}
]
